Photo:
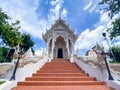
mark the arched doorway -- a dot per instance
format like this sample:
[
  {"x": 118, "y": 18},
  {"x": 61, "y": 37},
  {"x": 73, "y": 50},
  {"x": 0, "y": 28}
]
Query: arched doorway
[
  {"x": 60, "y": 46},
  {"x": 60, "y": 53}
]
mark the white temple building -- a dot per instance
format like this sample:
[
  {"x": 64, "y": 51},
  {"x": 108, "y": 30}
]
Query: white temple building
[{"x": 60, "y": 40}]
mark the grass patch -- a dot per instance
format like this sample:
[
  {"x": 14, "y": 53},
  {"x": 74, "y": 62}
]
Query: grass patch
[
  {"x": 1, "y": 82},
  {"x": 114, "y": 62}
]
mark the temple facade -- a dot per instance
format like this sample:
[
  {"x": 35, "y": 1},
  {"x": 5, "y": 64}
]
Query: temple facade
[{"x": 60, "y": 40}]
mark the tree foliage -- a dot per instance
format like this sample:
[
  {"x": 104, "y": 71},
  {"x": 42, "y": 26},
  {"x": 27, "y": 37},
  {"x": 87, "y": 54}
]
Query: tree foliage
[
  {"x": 3, "y": 55},
  {"x": 26, "y": 42},
  {"x": 115, "y": 30},
  {"x": 10, "y": 34},
  {"x": 113, "y": 6},
  {"x": 116, "y": 52}
]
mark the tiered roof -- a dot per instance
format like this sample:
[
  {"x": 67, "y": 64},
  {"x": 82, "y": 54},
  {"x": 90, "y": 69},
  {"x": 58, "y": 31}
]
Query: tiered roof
[{"x": 62, "y": 23}]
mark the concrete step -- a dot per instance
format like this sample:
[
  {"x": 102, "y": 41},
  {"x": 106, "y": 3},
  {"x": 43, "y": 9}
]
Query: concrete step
[
  {"x": 59, "y": 83},
  {"x": 61, "y": 74},
  {"x": 60, "y": 79},
  {"x": 94, "y": 87},
  {"x": 59, "y": 71}
]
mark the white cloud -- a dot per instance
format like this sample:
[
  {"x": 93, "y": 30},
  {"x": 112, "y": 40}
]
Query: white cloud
[
  {"x": 117, "y": 44},
  {"x": 54, "y": 2},
  {"x": 105, "y": 45},
  {"x": 93, "y": 8},
  {"x": 25, "y": 12},
  {"x": 104, "y": 18},
  {"x": 64, "y": 13},
  {"x": 88, "y": 38},
  {"x": 117, "y": 41},
  {"x": 87, "y": 6},
  {"x": 55, "y": 11},
  {"x": 39, "y": 52}
]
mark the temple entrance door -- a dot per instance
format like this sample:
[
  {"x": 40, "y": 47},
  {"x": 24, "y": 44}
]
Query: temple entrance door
[{"x": 60, "y": 53}]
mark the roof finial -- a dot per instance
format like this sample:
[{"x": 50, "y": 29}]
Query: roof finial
[{"x": 59, "y": 15}]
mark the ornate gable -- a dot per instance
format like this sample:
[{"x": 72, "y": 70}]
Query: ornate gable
[{"x": 59, "y": 26}]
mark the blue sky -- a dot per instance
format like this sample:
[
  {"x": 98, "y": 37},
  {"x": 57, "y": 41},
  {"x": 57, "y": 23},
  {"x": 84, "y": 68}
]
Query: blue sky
[{"x": 83, "y": 16}]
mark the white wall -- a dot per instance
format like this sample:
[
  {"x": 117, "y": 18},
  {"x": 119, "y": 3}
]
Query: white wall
[
  {"x": 97, "y": 72},
  {"x": 100, "y": 75},
  {"x": 22, "y": 73},
  {"x": 8, "y": 85},
  {"x": 29, "y": 69}
]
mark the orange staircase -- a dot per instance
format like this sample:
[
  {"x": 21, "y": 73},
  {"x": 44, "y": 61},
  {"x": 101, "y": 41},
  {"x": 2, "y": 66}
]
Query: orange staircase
[{"x": 60, "y": 74}]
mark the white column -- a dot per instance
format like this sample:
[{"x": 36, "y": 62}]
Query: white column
[
  {"x": 68, "y": 47},
  {"x": 53, "y": 44},
  {"x": 48, "y": 48},
  {"x": 72, "y": 48}
]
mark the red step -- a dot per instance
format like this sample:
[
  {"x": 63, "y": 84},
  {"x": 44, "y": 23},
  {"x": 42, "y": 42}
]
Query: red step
[
  {"x": 59, "y": 83},
  {"x": 59, "y": 71},
  {"x": 61, "y": 74},
  {"x": 60, "y": 79},
  {"x": 94, "y": 87}
]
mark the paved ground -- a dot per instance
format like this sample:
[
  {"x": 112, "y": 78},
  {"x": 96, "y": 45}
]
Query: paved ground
[
  {"x": 116, "y": 68},
  {"x": 4, "y": 68}
]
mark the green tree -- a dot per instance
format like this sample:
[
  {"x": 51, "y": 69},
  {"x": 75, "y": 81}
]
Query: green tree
[
  {"x": 113, "y": 6},
  {"x": 116, "y": 52},
  {"x": 10, "y": 35},
  {"x": 3, "y": 55},
  {"x": 9, "y": 32},
  {"x": 26, "y": 42},
  {"x": 115, "y": 30},
  {"x": 3, "y": 22}
]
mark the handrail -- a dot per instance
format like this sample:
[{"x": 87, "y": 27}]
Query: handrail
[{"x": 16, "y": 65}]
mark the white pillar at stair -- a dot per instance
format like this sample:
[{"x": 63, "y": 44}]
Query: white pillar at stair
[
  {"x": 53, "y": 42},
  {"x": 68, "y": 47}
]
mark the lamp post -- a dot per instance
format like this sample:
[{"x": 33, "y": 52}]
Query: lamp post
[
  {"x": 108, "y": 70},
  {"x": 104, "y": 35},
  {"x": 16, "y": 65},
  {"x": 104, "y": 57}
]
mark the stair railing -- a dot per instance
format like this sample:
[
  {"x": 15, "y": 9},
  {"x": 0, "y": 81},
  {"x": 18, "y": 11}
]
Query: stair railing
[
  {"x": 106, "y": 63},
  {"x": 16, "y": 65}
]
